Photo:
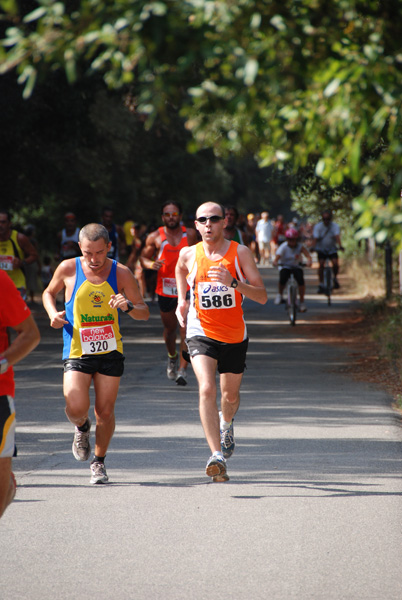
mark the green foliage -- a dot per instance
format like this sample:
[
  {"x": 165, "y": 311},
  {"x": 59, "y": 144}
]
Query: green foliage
[
  {"x": 388, "y": 331},
  {"x": 81, "y": 147},
  {"x": 295, "y": 83}
]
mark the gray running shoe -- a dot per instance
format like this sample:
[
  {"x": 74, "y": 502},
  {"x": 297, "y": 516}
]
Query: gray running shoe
[
  {"x": 216, "y": 468},
  {"x": 227, "y": 440},
  {"x": 172, "y": 367},
  {"x": 98, "y": 473},
  {"x": 81, "y": 445},
  {"x": 181, "y": 377}
]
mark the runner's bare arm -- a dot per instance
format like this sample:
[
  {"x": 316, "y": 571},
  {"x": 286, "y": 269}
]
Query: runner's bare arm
[
  {"x": 27, "y": 339},
  {"x": 254, "y": 289},
  {"x": 191, "y": 236},
  {"x": 182, "y": 269},
  {"x": 129, "y": 290},
  {"x": 65, "y": 270},
  {"x": 29, "y": 250},
  {"x": 307, "y": 254},
  {"x": 150, "y": 251}
]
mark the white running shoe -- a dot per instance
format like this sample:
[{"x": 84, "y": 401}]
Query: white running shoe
[
  {"x": 216, "y": 468},
  {"x": 171, "y": 370},
  {"x": 302, "y": 307},
  {"x": 98, "y": 473},
  {"x": 81, "y": 445},
  {"x": 278, "y": 299},
  {"x": 181, "y": 377}
]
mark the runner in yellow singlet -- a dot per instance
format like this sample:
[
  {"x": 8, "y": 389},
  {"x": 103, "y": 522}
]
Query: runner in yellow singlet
[
  {"x": 15, "y": 251},
  {"x": 220, "y": 273},
  {"x": 97, "y": 290}
]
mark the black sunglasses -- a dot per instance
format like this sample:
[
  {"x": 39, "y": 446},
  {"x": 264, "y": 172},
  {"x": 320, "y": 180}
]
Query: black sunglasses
[{"x": 213, "y": 219}]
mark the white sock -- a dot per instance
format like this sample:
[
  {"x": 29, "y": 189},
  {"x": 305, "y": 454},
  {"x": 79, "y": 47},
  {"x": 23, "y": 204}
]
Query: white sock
[
  {"x": 225, "y": 425},
  {"x": 218, "y": 454}
]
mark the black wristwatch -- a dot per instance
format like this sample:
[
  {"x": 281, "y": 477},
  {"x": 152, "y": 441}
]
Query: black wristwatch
[
  {"x": 130, "y": 306},
  {"x": 234, "y": 283}
]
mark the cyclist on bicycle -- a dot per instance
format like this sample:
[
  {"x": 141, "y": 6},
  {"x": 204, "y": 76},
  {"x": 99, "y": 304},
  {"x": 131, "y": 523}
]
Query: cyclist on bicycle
[
  {"x": 288, "y": 256},
  {"x": 327, "y": 240}
]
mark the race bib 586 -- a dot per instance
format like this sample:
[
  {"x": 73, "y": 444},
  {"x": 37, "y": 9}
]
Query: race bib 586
[{"x": 215, "y": 295}]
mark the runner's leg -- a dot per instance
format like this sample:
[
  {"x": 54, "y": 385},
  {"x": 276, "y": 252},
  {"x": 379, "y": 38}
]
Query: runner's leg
[
  {"x": 106, "y": 389},
  {"x": 169, "y": 321},
  {"x": 230, "y": 391},
  {"x": 6, "y": 486},
  {"x": 76, "y": 392},
  {"x": 205, "y": 370},
  {"x": 183, "y": 362}
]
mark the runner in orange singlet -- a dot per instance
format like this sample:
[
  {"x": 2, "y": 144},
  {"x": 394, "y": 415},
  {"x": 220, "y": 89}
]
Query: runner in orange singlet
[
  {"x": 217, "y": 271},
  {"x": 161, "y": 252}
]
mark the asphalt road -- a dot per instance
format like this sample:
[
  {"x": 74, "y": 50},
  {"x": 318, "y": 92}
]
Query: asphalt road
[{"x": 312, "y": 509}]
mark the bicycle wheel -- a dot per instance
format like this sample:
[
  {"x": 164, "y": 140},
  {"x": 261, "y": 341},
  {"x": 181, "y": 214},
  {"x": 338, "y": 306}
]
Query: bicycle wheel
[
  {"x": 328, "y": 283},
  {"x": 292, "y": 302}
]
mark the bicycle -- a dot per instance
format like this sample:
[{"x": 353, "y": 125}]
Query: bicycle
[
  {"x": 291, "y": 299},
  {"x": 328, "y": 285}
]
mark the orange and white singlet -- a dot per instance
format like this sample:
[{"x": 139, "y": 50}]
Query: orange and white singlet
[
  {"x": 215, "y": 309},
  {"x": 93, "y": 327},
  {"x": 166, "y": 281}
]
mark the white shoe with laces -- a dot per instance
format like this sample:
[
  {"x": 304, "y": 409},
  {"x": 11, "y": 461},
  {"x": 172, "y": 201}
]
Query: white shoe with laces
[
  {"x": 98, "y": 473},
  {"x": 278, "y": 299},
  {"x": 181, "y": 377},
  {"x": 171, "y": 370}
]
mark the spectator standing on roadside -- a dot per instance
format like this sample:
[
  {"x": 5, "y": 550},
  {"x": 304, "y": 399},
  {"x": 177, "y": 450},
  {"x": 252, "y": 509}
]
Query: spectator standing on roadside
[
  {"x": 278, "y": 235},
  {"x": 68, "y": 237},
  {"x": 252, "y": 221},
  {"x": 327, "y": 241},
  {"x": 264, "y": 231},
  {"x": 46, "y": 272},
  {"x": 133, "y": 260},
  {"x": 32, "y": 270},
  {"x": 160, "y": 253},
  {"x": 97, "y": 290},
  {"x": 116, "y": 235},
  {"x": 14, "y": 313},
  {"x": 16, "y": 251},
  {"x": 232, "y": 232},
  {"x": 217, "y": 271}
]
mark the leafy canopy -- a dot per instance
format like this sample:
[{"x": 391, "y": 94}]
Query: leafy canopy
[{"x": 309, "y": 83}]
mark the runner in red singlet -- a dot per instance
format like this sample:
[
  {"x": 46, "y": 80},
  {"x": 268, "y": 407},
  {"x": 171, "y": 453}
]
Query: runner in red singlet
[{"x": 161, "y": 252}]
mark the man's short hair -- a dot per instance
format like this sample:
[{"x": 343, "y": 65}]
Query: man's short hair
[
  {"x": 94, "y": 232},
  {"x": 175, "y": 203},
  {"x": 7, "y": 213}
]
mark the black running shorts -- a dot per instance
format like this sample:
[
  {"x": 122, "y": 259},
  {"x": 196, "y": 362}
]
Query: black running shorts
[
  {"x": 285, "y": 272},
  {"x": 7, "y": 427},
  {"x": 111, "y": 364},
  {"x": 231, "y": 357},
  {"x": 167, "y": 304},
  {"x": 323, "y": 255}
]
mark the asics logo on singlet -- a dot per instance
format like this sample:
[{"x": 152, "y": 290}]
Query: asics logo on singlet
[{"x": 215, "y": 288}]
